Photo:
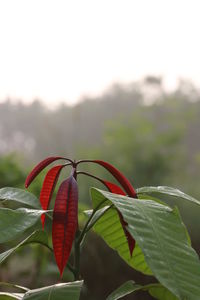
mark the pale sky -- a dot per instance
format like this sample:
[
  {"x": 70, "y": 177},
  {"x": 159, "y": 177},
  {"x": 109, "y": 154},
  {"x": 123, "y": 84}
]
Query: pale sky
[{"x": 60, "y": 50}]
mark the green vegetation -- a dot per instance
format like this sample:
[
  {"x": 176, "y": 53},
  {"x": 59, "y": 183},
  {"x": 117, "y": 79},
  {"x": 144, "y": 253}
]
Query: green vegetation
[
  {"x": 152, "y": 142},
  {"x": 163, "y": 246}
]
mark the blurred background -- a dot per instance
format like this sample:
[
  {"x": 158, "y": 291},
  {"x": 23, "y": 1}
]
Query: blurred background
[{"x": 111, "y": 80}]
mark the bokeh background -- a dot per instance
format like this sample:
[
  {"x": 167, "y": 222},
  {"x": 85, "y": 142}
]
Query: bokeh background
[{"x": 111, "y": 80}]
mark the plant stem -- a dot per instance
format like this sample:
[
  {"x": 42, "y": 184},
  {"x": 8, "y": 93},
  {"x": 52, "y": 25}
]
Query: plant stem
[
  {"x": 83, "y": 232},
  {"x": 90, "y": 175},
  {"x": 77, "y": 253},
  {"x": 91, "y": 225},
  {"x": 78, "y": 241}
]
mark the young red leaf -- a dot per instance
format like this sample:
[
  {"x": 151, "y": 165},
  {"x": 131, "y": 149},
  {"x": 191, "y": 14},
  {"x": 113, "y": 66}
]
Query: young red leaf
[
  {"x": 113, "y": 188},
  {"x": 118, "y": 176},
  {"x": 65, "y": 218},
  {"x": 39, "y": 167},
  {"x": 48, "y": 187}
]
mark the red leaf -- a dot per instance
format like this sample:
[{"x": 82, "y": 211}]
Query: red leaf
[
  {"x": 48, "y": 187},
  {"x": 43, "y": 164},
  {"x": 119, "y": 176},
  {"x": 130, "y": 239},
  {"x": 65, "y": 217},
  {"x": 113, "y": 188}
]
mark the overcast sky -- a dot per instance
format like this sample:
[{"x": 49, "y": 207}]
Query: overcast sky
[{"x": 61, "y": 50}]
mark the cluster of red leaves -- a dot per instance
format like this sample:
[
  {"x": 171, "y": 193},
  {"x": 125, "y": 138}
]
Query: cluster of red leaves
[{"x": 65, "y": 213}]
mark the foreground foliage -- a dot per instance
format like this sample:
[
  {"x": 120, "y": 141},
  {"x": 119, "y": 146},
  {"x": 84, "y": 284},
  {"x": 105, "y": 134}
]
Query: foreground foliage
[{"x": 148, "y": 234}]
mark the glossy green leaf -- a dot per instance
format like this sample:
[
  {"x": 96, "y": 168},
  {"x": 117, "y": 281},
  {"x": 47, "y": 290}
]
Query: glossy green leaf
[
  {"x": 9, "y": 194},
  {"x": 124, "y": 290},
  {"x": 39, "y": 236},
  {"x": 10, "y": 296},
  {"x": 110, "y": 229},
  {"x": 61, "y": 291},
  {"x": 147, "y": 197},
  {"x": 15, "y": 222},
  {"x": 137, "y": 261},
  {"x": 167, "y": 191},
  {"x": 161, "y": 235},
  {"x": 12, "y": 285},
  {"x": 150, "y": 197},
  {"x": 158, "y": 291}
]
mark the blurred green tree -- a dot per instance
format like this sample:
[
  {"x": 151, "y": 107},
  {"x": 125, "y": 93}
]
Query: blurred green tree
[{"x": 12, "y": 173}]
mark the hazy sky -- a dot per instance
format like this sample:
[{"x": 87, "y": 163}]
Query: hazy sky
[{"x": 60, "y": 50}]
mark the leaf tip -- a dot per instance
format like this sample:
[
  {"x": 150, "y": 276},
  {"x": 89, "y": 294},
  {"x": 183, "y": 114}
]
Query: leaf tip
[
  {"x": 61, "y": 271},
  {"x": 26, "y": 184}
]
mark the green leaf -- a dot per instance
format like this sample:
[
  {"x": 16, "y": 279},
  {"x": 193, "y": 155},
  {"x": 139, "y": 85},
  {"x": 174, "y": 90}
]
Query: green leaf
[
  {"x": 124, "y": 290},
  {"x": 97, "y": 215},
  {"x": 167, "y": 191},
  {"x": 10, "y": 296},
  {"x": 9, "y": 194},
  {"x": 137, "y": 261},
  {"x": 61, "y": 291},
  {"x": 7, "y": 284},
  {"x": 39, "y": 236},
  {"x": 147, "y": 197},
  {"x": 110, "y": 229},
  {"x": 158, "y": 291},
  {"x": 161, "y": 235},
  {"x": 15, "y": 222}
]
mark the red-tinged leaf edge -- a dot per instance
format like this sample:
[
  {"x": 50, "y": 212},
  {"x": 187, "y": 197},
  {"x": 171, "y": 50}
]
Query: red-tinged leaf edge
[
  {"x": 127, "y": 186},
  {"x": 113, "y": 188},
  {"x": 39, "y": 167},
  {"x": 130, "y": 239},
  {"x": 65, "y": 220},
  {"x": 48, "y": 187}
]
